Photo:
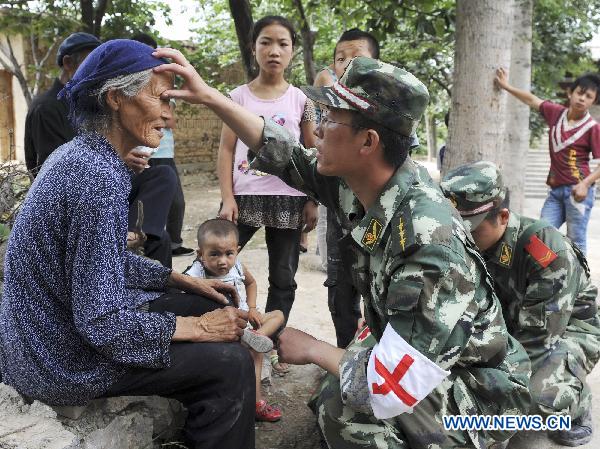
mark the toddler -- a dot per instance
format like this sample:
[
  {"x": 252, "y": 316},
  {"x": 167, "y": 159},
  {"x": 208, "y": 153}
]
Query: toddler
[{"x": 217, "y": 259}]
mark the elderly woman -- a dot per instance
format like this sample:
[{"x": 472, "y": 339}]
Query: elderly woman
[{"x": 83, "y": 318}]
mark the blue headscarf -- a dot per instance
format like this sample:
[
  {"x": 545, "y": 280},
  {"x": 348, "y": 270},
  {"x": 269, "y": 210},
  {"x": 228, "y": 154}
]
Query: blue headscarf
[{"x": 109, "y": 60}]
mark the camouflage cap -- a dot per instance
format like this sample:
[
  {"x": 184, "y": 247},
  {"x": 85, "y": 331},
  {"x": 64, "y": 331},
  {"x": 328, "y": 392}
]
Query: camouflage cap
[
  {"x": 381, "y": 92},
  {"x": 474, "y": 190}
]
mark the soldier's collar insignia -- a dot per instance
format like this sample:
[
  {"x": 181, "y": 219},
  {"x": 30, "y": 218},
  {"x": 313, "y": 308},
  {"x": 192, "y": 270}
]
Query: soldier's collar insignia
[
  {"x": 506, "y": 253},
  {"x": 540, "y": 252},
  {"x": 372, "y": 234},
  {"x": 402, "y": 234}
]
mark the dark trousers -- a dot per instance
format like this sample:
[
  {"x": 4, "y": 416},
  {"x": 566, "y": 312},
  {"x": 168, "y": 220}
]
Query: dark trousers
[
  {"x": 283, "y": 246},
  {"x": 177, "y": 210},
  {"x": 155, "y": 188},
  {"x": 342, "y": 297},
  {"x": 215, "y": 382}
]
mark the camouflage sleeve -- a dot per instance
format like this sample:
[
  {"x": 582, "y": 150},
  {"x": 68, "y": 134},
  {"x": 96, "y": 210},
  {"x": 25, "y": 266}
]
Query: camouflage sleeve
[
  {"x": 548, "y": 302},
  {"x": 283, "y": 156},
  {"x": 353, "y": 379}
]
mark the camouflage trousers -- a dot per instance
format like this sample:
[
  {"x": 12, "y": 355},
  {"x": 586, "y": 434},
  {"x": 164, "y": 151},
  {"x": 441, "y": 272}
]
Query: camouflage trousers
[
  {"x": 345, "y": 428},
  {"x": 558, "y": 383}
]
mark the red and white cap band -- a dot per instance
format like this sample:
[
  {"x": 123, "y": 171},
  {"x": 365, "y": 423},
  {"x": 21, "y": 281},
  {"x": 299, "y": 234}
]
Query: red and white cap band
[
  {"x": 478, "y": 210},
  {"x": 350, "y": 97}
]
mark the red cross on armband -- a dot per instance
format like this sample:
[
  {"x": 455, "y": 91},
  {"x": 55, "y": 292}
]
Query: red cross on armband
[{"x": 399, "y": 376}]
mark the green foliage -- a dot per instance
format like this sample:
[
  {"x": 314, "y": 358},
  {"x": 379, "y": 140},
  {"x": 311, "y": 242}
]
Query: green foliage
[
  {"x": 125, "y": 18},
  {"x": 51, "y": 21}
]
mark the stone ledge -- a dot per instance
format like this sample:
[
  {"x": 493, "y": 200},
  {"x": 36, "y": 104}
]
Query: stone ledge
[{"x": 128, "y": 422}]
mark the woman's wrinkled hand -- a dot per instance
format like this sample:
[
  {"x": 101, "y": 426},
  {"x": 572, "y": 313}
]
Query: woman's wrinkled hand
[
  {"x": 214, "y": 289},
  {"x": 137, "y": 160},
  {"x": 220, "y": 325},
  {"x": 194, "y": 89}
]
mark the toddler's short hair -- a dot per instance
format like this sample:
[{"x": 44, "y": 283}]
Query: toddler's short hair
[{"x": 218, "y": 227}]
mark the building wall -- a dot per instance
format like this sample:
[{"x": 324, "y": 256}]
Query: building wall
[{"x": 197, "y": 136}]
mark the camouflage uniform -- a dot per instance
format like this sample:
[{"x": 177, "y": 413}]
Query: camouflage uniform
[
  {"x": 418, "y": 270},
  {"x": 543, "y": 282}
]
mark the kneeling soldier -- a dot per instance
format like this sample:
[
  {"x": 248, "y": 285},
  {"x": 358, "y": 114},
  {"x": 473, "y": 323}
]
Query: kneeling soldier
[{"x": 543, "y": 282}]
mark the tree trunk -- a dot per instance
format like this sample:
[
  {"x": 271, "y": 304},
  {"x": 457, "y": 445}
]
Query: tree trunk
[
  {"x": 242, "y": 17},
  {"x": 308, "y": 41},
  {"x": 99, "y": 15},
  {"x": 431, "y": 130},
  {"x": 478, "y": 111},
  {"x": 92, "y": 17},
  {"x": 87, "y": 15},
  {"x": 516, "y": 142}
]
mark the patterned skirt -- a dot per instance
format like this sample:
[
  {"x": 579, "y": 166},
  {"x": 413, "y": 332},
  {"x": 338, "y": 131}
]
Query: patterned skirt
[{"x": 274, "y": 211}]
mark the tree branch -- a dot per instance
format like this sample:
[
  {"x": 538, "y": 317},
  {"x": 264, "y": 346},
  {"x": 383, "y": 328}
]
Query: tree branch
[
  {"x": 16, "y": 70},
  {"x": 308, "y": 40},
  {"x": 100, "y": 11},
  {"x": 442, "y": 84}
]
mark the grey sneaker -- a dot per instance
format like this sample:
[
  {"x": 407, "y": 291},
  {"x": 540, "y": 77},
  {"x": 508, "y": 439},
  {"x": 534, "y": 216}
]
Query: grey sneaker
[
  {"x": 580, "y": 433},
  {"x": 256, "y": 341}
]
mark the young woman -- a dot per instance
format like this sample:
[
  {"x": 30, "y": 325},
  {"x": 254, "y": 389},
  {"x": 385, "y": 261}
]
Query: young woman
[{"x": 253, "y": 199}]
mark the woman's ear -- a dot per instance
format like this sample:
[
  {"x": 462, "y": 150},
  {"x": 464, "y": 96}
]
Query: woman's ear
[{"x": 113, "y": 100}]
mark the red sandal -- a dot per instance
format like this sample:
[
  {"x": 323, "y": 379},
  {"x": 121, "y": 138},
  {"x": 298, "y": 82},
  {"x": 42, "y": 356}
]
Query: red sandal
[{"x": 266, "y": 412}]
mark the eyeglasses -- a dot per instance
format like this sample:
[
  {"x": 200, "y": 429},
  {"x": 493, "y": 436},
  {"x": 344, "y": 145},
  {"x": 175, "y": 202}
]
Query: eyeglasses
[{"x": 325, "y": 120}]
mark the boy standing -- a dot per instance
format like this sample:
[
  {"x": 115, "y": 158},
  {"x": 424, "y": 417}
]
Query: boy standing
[
  {"x": 574, "y": 134},
  {"x": 342, "y": 297}
]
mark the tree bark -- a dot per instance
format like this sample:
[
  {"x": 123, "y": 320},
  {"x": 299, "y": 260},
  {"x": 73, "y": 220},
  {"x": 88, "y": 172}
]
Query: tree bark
[
  {"x": 241, "y": 12},
  {"x": 87, "y": 15},
  {"x": 478, "y": 111},
  {"x": 431, "y": 130},
  {"x": 308, "y": 41},
  {"x": 92, "y": 17},
  {"x": 99, "y": 15},
  {"x": 516, "y": 142}
]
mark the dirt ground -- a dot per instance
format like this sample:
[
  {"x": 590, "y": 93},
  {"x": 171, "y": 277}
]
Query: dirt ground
[{"x": 297, "y": 429}]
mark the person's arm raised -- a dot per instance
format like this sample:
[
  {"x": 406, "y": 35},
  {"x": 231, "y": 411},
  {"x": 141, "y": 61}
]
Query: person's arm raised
[
  {"x": 501, "y": 80},
  {"x": 246, "y": 125}
]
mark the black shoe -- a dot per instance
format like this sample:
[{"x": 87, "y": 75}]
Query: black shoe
[
  {"x": 580, "y": 433},
  {"x": 182, "y": 251}
]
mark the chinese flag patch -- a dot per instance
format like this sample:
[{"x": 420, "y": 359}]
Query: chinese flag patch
[{"x": 540, "y": 252}]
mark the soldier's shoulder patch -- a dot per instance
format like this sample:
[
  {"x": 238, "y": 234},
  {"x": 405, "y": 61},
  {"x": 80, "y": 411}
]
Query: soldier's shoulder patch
[
  {"x": 402, "y": 235},
  {"x": 540, "y": 251},
  {"x": 372, "y": 233},
  {"x": 506, "y": 253}
]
